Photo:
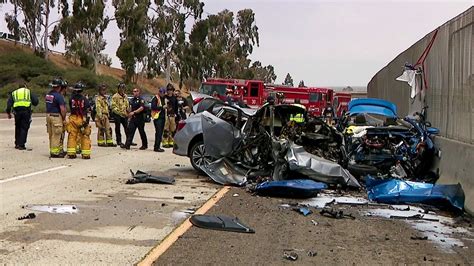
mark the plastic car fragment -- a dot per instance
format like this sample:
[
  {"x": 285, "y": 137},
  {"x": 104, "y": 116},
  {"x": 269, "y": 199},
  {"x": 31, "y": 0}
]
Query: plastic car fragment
[
  {"x": 220, "y": 222},
  {"x": 143, "y": 177},
  {"x": 394, "y": 191},
  {"x": 298, "y": 188}
]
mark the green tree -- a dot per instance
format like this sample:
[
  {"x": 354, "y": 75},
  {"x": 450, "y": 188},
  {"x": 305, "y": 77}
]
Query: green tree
[
  {"x": 288, "y": 80},
  {"x": 265, "y": 73},
  {"x": 167, "y": 34},
  {"x": 132, "y": 20},
  {"x": 301, "y": 84},
  {"x": 35, "y": 24},
  {"x": 220, "y": 44},
  {"x": 83, "y": 31}
]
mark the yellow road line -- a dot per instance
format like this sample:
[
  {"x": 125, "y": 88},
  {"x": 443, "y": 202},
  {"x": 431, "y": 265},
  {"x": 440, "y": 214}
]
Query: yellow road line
[{"x": 157, "y": 251}]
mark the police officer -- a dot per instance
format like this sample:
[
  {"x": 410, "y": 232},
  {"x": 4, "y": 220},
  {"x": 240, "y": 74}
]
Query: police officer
[
  {"x": 78, "y": 124},
  {"x": 158, "y": 114},
  {"x": 55, "y": 118},
  {"x": 120, "y": 106},
  {"x": 136, "y": 119},
  {"x": 20, "y": 101},
  {"x": 104, "y": 136}
]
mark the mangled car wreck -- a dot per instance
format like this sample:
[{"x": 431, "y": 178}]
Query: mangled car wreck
[
  {"x": 271, "y": 142},
  {"x": 239, "y": 146},
  {"x": 377, "y": 142}
]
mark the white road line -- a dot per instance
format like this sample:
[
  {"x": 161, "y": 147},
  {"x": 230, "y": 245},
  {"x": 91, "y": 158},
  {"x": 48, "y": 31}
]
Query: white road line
[{"x": 32, "y": 174}]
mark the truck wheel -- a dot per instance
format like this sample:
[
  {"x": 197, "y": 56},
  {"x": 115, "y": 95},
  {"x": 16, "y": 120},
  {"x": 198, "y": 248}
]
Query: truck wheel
[{"x": 198, "y": 157}]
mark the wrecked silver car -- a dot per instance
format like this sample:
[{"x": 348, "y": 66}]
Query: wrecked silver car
[
  {"x": 274, "y": 143},
  {"x": 188, "y": 140}
]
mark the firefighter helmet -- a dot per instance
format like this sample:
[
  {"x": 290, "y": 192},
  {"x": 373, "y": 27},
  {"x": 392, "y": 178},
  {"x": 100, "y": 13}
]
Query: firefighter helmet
[
  {"x": 56, "y": 82},
  {"x": 121, "y": 85},
  {"x": 79, "y": 87}
]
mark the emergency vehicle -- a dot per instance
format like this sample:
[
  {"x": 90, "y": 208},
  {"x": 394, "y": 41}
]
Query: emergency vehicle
[
  {"x": 340, "y": 102},
  {"x": 248, "y": 91},
  {"x": 314, "y": 99},
  {"x": 254, "y": 94}
]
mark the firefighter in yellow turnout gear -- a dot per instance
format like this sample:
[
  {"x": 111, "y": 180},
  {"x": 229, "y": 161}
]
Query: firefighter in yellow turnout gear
[
  {"x": 78, "y": 124},
  {"x": 299, "y": 117},
  {"x": 104, "y": 135}
]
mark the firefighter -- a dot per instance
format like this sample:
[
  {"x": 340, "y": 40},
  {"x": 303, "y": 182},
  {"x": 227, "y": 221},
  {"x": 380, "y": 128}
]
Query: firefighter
[
  {"x": 158, "y": 114},
  {"x": 136, "y": 119},
  {"x": 120, "y": 106},
  {"x": 170, "y": 125},
  {"x": 104, "y": 134},
  {"x": 55, "y": 118},
  {"x": 299, "y": 117},
  {"x": 20, "y": 100},
  {"x": 78, "y": 124},
  {"x": 328, "y": 113},
  {"x": 229, "y": 96},
  {"x": 171, "y": 106}
]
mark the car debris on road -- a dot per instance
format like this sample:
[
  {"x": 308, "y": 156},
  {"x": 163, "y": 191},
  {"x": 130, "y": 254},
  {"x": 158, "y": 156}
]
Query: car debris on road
[
  {"x": 220, "y": 222},
  {"x": 27, "y": 217},
  {"x": 143, "y": 177}
]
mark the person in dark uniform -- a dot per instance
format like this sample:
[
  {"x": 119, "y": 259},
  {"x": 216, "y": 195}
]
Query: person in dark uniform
[
  {"x": 158, "y": 114},
  {"x": 182, "y": 107},
  {"x": 20, "y": 101},
  {"x": 171, "y": 98},
  {"x": 136, "y": 119}
]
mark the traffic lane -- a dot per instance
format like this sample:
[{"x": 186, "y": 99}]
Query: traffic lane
[
  {"x": 116, "y": 223},
  {"x": 39, "y": 143}
]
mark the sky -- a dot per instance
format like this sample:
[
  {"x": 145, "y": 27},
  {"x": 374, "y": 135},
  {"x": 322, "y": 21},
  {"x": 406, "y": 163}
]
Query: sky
[{"x": 324, "y": 43}]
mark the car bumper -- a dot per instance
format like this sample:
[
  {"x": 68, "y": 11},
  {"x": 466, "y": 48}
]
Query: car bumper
[{"x": 180, "y": 146}]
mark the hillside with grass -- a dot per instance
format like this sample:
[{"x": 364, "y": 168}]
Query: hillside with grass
[{"x": 18, "y": 65}]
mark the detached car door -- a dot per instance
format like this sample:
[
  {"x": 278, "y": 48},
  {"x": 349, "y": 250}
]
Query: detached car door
[{"x": 220, "y": 137}]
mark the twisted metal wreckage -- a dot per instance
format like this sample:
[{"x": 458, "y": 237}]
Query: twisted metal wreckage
[{"x": 368, "y": 140}]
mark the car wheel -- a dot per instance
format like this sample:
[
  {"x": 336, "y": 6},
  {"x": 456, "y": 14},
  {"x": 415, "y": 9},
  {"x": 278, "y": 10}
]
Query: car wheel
[{"x": 198, "y": 157}]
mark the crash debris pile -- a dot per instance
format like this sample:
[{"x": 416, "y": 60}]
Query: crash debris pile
[{"x": 368, "y": 144}]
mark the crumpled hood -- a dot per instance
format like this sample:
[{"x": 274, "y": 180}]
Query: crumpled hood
[{"x": 318, "y": 168}]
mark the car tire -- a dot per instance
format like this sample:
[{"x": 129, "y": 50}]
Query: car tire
[{"x": 197, "y": 156}]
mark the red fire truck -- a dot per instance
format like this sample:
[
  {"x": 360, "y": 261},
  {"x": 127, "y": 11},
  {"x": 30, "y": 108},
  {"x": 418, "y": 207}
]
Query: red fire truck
[
  {"x": 340, "y": 102},
  {"x": 314, "y": 99},
  {"x": 248, "y": 91},
  {"x": 254, "y": 93}
]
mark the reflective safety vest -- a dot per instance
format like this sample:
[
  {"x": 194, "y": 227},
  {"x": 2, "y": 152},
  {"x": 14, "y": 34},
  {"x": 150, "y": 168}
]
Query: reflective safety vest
[
  {"x": 154, "y": 113},
  {"x": 21, "y": 97},
  {"x": 298, "y": 118}
]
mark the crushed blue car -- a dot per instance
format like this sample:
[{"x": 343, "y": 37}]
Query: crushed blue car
[{"x": 378, "y": 142}]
